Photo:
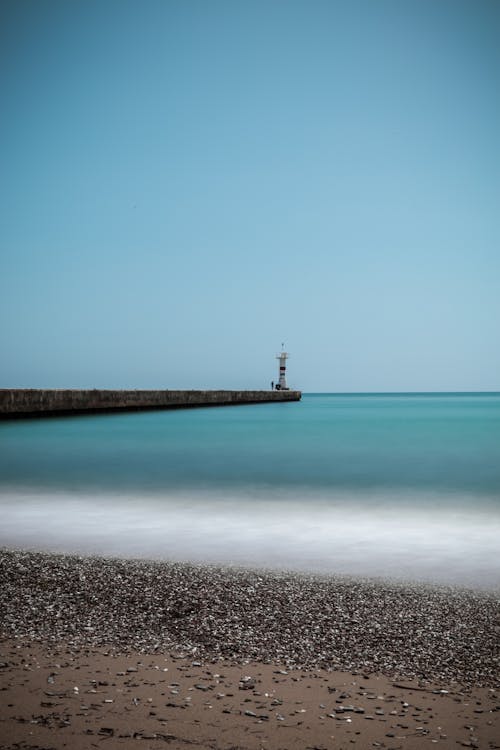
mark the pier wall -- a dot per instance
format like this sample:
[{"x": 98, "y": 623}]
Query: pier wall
[{"x": 27, "y": 402}]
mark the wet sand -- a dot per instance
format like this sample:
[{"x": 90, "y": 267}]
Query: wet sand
[{"x": 133, "y": 653}]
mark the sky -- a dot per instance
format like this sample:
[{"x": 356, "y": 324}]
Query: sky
[{"x": 187, "y": 184}]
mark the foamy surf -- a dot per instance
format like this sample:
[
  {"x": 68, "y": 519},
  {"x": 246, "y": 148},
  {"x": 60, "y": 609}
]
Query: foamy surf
[{"x": 376, "y": 535}]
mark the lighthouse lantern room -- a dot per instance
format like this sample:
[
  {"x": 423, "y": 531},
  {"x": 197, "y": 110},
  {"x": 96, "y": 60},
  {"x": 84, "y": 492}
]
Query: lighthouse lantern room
[{"x": 282, "y": 357}]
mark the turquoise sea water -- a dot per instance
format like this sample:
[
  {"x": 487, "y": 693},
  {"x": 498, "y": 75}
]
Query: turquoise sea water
[{"x": 404, "y": 485}]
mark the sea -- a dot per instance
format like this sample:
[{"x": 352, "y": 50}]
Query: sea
[{"x": 402, "y": 486}]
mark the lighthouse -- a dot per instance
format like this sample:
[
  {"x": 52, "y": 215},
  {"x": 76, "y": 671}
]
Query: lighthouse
[{"x": 282, "y": 356}]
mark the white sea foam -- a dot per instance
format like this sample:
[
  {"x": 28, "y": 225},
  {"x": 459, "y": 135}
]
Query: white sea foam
[{"x": 367, "y": 535}]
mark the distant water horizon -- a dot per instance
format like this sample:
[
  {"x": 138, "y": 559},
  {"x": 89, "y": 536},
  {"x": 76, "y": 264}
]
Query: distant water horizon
[
  {"x": 393, "y": 485},
  {"x": 397, "y": 394}
]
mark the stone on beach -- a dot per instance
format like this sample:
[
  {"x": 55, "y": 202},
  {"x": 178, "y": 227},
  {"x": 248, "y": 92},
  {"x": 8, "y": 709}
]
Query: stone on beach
[{"x": 296, "y": 620}]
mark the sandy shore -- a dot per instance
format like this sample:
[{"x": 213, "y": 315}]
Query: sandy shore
[{"x": 134, "y": 652}]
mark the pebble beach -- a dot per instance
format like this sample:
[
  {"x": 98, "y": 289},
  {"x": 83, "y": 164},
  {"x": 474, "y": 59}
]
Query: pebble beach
[{"x": 254, "y": 626}]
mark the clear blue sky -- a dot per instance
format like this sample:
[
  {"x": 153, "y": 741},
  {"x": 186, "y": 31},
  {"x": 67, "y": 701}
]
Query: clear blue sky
[{"x": 185, "y": 185}]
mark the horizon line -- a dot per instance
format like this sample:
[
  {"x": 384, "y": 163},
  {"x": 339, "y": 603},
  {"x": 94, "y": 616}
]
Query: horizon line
[{"x": 398, "y": 393}]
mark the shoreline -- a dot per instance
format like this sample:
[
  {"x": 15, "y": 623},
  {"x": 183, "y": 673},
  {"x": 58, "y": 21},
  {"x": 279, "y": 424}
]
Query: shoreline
[
  {"x": 444, "y": 588},
  {"x": 145, "y": 653},
  {"x": 365, "y": 536}
]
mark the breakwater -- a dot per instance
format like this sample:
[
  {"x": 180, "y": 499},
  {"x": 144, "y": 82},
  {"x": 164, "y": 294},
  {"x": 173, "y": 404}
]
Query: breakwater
[{"x": 17, "y": 403}]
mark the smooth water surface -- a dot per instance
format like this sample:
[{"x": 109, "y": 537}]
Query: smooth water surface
[{"x": 404, "y": 485}]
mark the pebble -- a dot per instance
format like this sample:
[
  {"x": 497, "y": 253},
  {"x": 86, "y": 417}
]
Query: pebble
[{"x": 441, "y": 634}]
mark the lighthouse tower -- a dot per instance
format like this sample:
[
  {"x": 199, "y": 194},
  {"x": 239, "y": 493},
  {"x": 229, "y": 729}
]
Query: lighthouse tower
[{"x": 282, "y": 356}]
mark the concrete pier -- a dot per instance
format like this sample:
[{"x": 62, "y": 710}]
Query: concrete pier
[{"x": 18, "y": 403}]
